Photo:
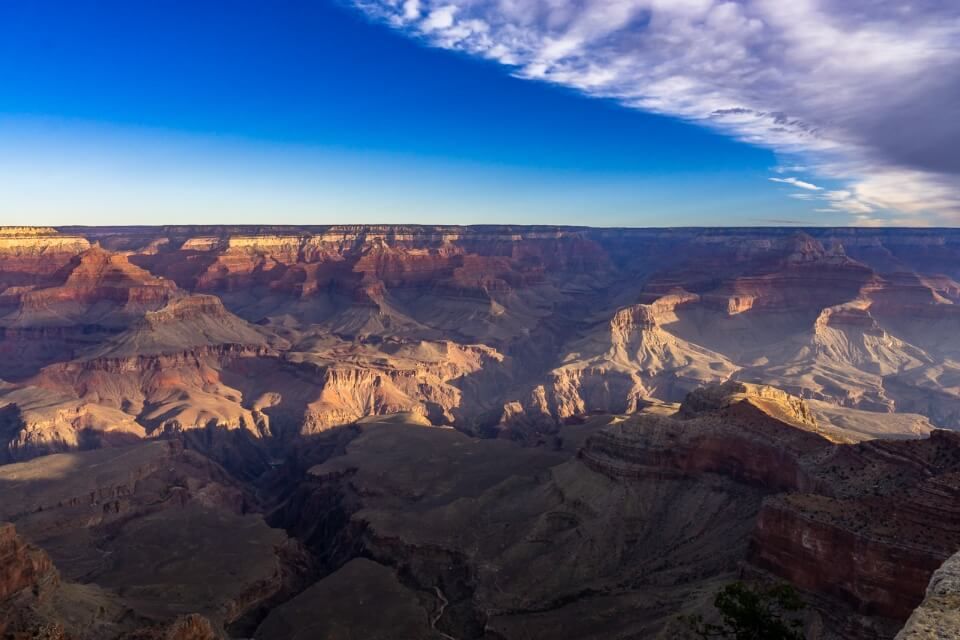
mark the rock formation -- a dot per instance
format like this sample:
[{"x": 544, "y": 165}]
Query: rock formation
[
  {"x": 885, "y": 515},
  {"x": 35, "y": 603},
  {"x": 939, "y": 615},
  {"x": 140, "y": 535},
  {"x": 498, "y": 431},
  {"x": 528, "y": 327},
  {"x": 627, "y": 522}
]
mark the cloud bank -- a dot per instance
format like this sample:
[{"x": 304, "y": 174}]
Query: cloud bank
[{"x": 864, "y": 92}]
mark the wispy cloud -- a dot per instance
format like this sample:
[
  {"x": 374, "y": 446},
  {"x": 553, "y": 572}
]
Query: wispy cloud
[
  {"x": 779, "y": 221},
  {"x": 866, "y": 92},
  {"x": 796, "y": 168},
  {"x": 796, "y": 182}
]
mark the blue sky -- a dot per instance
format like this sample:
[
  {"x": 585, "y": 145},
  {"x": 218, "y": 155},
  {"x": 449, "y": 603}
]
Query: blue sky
[{"x": 318, "y": 112}]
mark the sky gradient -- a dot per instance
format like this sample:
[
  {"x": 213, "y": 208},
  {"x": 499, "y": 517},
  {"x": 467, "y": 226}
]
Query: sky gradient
[{"x": 115, "y": 112}]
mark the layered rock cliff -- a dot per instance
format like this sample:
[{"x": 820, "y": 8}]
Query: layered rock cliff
[
  {"x": 885, "y": 515},
  {"x": 573, "y": 320},
  {"x": 23, "y": 566},
  {"x": 861, "y": 526}
]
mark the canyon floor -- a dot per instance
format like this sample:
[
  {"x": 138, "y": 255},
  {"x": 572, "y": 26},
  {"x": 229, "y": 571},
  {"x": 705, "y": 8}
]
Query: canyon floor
[{"x": 474, "y": 432}]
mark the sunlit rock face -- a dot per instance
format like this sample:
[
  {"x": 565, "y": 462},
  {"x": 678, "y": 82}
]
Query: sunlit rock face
[{"x": 113, "y": 334}]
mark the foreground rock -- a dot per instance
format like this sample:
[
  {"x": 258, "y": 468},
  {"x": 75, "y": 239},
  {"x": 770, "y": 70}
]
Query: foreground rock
[
  {"x": 627, "y": 523},
  {"x": 938, "y": 618}
]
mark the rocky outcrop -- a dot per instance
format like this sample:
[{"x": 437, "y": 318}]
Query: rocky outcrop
[
  {"x": 128, "y": 482},
  {"x": 747, "y": 432},
  {"x": 115, "y": 399},
  {"x": 800, "y": 274},
  {"x": 99, "y": 276},
  {"x": 885, "y": 515},
  {"x": 23, "y": 567},
  {"x": 938, "y": 617},
  {"x": 195, "y": 324},
  {"x": 775, "y": 402},
  {"x": 189, "y": 627},
  {"x": 30, "y": 255},
  {"x": 36, "y": 421},
  {"x": 28, "y": 579},
  {"x": 620, "y": 365},
  {"x": 421, "y": 380},
  {"x": 797, "y": 537}
]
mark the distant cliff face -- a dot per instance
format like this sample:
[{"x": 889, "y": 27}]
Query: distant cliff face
[{"x": 130, "y": 332}]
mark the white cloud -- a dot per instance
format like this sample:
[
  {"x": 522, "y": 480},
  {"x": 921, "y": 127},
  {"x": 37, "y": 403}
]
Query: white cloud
[
  {"x": 411, "y": 10},
  {"x": 861, "y": 91},
  {"x": 796, "y": 168},
  {"x": 439, "y": 19},
  {"x": 796, "y": 182}
]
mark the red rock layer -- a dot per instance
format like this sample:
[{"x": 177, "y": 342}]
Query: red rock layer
[
  {"x": 887, "y": 515},
  {"x": 101, "y": 276},
  {"x": 875, "y": 577},
  {"x": 22, "y": 566},
  {"x": 743, "y": 440}
]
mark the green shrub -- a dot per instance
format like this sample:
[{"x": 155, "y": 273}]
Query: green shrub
[{"x": 753, "y": 613}]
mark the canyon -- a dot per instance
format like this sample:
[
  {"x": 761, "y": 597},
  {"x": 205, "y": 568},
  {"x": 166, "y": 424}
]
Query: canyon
[{"x": 474, "y": 432}]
